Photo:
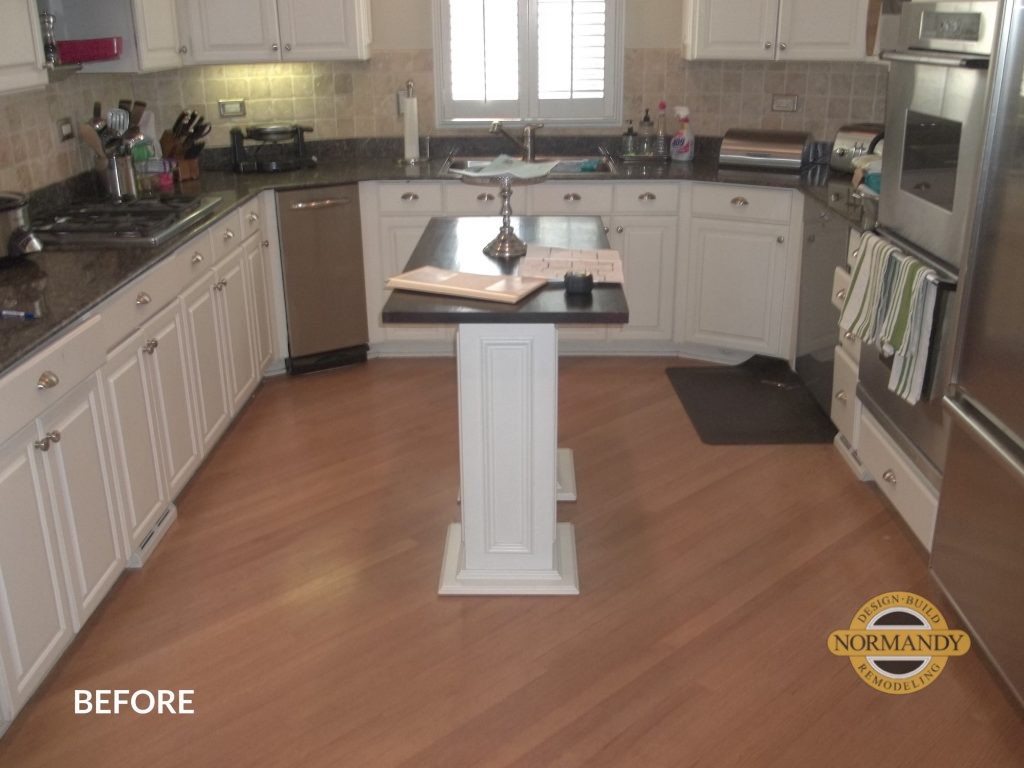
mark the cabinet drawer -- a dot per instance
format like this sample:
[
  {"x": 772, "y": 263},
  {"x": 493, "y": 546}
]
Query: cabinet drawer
[
  {"x": 226, "y": 234},
  {"x": 646, "y": 198},
  {"x": 728, "y": 201},
  {"x": 467, "y": 200},
  {"x": 196, "y": 255},
  {"x": 569, "y": 198},
  {"x": 420, "y": 197},
  {"x": 250, "y": 215},
  {"x": 145, "y": 296},
  {"x": 68, "y": 361},
  {"x": 840, "y": 287},
  {"x": 851, "y": 248},
  {"x": 899, "y": 480},
  {"x": 844, "y": 396}
]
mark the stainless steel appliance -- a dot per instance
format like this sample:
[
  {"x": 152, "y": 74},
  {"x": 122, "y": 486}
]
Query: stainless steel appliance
[
  {"x": 273, "y": 148},
  {"x": 935, "y": 111},
  {"x": 16, "y": 236},
  {"x": 765, "y": 150},
  {"x": 978, "y": 552},
  {"x": 322, "y": 261},
  {"x": 144, "y": 222},
  {"x": 853, "y": 141}
]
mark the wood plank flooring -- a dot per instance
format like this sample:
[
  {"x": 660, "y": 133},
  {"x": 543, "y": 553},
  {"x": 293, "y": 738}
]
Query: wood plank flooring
[{"x": 297, "y": 595}]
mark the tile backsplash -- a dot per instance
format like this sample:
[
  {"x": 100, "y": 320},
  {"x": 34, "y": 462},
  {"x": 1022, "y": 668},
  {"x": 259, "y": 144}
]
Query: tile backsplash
[{"x": 357, "y": 99}]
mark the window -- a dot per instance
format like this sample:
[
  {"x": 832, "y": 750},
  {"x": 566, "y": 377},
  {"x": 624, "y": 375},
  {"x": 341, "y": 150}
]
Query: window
[{"x": 555, "y": 60}]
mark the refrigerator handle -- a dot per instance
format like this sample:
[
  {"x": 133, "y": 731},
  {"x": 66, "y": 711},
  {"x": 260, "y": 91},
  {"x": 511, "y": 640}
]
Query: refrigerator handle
[{"x": 971, "y": 422}]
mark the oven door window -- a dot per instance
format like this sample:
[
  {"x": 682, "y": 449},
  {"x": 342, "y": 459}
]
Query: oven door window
[{"x": 931, "y": 153}]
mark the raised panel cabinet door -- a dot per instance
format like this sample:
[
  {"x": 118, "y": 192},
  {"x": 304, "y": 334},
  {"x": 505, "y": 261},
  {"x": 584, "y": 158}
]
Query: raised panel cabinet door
[
  {"x": 206, "y": 360},
  {"x": 323, "y": 29},
  {"x": 236, "y": 324},
  {"x": 156, "y": 34},
  {"x": 736, "y": 29},
  {"x": 83, "y": 494},
  {"x": 398, "y": 237},
  {"x": 647, "y": 245},
  {"x": 165, "y": 344},
  {"x": 21, "y": 52},
  {"x": 226, "y": 31},
  {"x": 822, "y": 29},
  {"x": 34, "y": 623},
  {"x": 256, "y": 275},
  {"x": 737, "y": 276},
  {"x": 133, "y": 433}
]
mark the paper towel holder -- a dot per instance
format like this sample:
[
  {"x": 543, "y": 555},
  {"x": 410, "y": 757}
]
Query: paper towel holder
[{"x": 411, "y": 133}]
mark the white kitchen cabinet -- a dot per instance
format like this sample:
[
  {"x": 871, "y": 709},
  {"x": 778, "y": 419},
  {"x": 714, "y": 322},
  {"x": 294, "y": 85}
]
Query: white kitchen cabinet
[
  {"x": 647, "y": 245},
  {"x": 209, "y": 374},
  {"x": 148, "y": 30},
  {"x": 35, "y": 626},
  {"x": 253, "y": 254},
  {"x": 736, "y": 286},
  {"x": 21, "y": 46},
  {"x": 775, "y": 30},
  {"x": 226, "y": 31},
  {"x": 235, "y": 314}
]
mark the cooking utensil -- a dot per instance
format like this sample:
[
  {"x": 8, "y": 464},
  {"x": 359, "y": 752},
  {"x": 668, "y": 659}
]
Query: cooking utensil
[
  {"x": 97, "y": 123},
  {"x": 117, "y": 121},
  {"x": 135, "y": 116},
  {"x": 125, "y": 104},
  {"x": 121, "y": 182},
  {"x": 16, "y": 237},
  {"x": 92, "y": 139},
  {"x": 851, "y": 142}
]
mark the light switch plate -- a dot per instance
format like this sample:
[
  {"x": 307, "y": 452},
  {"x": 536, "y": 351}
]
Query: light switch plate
[
  {"x": 65, "y": 130},
  {"x": 784, "y": 102},
  {"x": 231, "y": 107}
]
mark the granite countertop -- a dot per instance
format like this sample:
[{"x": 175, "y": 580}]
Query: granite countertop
[
  {"x": 454, "y": 243},
  {"x": 62, "y": 286}
]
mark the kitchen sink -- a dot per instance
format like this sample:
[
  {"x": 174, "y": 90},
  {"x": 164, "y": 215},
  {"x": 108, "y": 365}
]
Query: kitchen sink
[{"x": 567, "y": 167}]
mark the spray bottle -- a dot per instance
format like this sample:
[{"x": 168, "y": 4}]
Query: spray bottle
[{"x": 681, "y": 148}]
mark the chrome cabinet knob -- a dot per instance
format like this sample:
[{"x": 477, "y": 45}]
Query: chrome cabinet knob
[
  {"x": 739, "y": 202},
  {"x": 183, "y": 50},
  {"x": 143, "y": 299},
  {"x": 849, "y": 335},
  {"x": 47, "y": 380},
  {"x": 619, "y": 229},
  {"x": 768, "y": 45},
  {"x": 842, "y": 397},
  {"x": 197, "y": 258},
  {"x": 266, "y": 243},
  {"x": 605, "y": 230},
  {"x": 220, "y": 285},
  {"x": 287, "y": 46},
  {"x": 42, "y": 445},
  {"x": 150, "y": 346},
  {"x": 572, "y": 197},
  {"x": 647, "y": 196},
  {"x": 275, "y": 47},
  {"x": 410, "y": 196},
  {"x": 485, "y": 197},
  {"x": 228, "y": 235},
  {"x": 783, "y": 46},
  {"x": 254, "y": 218},
  {"x": 889, "y": 476},
  {"x": 841, "y": 294},
  {"x": 780, "y": 239},
  {"x": 53, "y": 436}
]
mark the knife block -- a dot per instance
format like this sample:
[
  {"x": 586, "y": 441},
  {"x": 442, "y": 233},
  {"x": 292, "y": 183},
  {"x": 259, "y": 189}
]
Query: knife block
[{"x": 188, "y": 169}]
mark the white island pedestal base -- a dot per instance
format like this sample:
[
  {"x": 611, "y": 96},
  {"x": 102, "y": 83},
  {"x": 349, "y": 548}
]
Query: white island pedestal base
[{"x": 511, "y": 471}]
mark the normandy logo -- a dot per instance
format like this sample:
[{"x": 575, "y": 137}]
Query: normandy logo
[{"x": 898, "y": 643}]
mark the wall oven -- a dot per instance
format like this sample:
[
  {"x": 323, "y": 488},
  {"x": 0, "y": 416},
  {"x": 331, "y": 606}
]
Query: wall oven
[{"x": 934, "y": 132}]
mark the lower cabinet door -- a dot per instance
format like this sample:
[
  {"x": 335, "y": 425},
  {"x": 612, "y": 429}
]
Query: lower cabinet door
[
  {"x": 256, "y": 273},
  {"x": 398, "y": 238},
  {"x": 235, "y": 310},
  {"x": 34, "y": 624},
  {"x": 736, "y": 285},
  {"x": 83, "y": 491},
  {"x": 647, "y": 245},
  {"x": 206, "y": 360}
]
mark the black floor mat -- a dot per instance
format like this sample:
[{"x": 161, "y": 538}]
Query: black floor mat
[{"x": 758, "y": 402}]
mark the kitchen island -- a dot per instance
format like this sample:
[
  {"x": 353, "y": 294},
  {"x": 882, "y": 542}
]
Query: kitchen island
[{"x": 511, "y": 470}]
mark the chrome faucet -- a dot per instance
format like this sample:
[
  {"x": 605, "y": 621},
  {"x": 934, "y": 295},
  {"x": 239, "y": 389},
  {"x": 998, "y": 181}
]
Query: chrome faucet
[{"x": 526, "y": 143}]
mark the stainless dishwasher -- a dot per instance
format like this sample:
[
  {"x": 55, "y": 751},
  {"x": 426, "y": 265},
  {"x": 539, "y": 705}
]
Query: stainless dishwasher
[{"x": 322, "y": 262}]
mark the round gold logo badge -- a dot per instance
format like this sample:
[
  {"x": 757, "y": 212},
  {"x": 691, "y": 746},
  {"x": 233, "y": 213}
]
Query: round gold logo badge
[{"x": 898, "y": 642}]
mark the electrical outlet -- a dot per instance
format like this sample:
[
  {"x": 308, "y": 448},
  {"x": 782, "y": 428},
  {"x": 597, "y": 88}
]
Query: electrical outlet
[
  {"x": 65, "y": 130},
  {"x": 231, "y": 107},
  {"x": 785, "y": 102}
]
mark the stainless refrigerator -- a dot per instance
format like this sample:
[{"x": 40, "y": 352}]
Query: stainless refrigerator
[{"x": 978, "y": 552}]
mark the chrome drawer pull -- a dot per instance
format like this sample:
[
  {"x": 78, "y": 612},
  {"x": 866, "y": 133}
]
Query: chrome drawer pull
[
  {"x": 143, "y": 299},
  {"x": 48, "y": 380},
  {"x": 740, "y": 202},
  {"x": 889, "y": 476},
  {"x": 849, "y": 336},
  {"x": 647, "y": 196},
  {"x": 619, "y": 229},
  {"x": 150, "y": 346},
  {"x": 841, "y": 294},
  {"x": 220, "y": 285},
  {"x": 572, "y": 197},
  {"x": 253, "y": 218},
  {"x": 329, "y": 202},
  {"x": 410, "y": 196},
  {"x": 197, "y": 258},
  {"x": 841, "y": 396},
  {"x": 228, "y": 235},
  {"x": 42, "y": 445},
  {"x": 53, "y": 437},
  {"x": 485, "y": 197}
]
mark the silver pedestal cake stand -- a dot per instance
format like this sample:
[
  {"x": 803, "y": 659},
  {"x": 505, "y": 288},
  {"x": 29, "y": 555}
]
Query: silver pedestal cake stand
[{"x": 507, "y": 244}]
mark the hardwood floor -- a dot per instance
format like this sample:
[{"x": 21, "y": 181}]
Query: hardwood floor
[{"x": 297, "y": 595}]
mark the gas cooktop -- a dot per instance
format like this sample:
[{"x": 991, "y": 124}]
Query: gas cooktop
[{"x": 145, "y": 222}]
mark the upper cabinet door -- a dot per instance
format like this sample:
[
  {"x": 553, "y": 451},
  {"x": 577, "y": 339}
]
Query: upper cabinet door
[
  {"x": 822, "y": 29},
  {"x": 224, "y": 31},
  {"x": 734, "y": 29},
  {"x": 21, "y": 46},
  {"x": 323, "y": 29},
  {"x": 156, "y": 34}
]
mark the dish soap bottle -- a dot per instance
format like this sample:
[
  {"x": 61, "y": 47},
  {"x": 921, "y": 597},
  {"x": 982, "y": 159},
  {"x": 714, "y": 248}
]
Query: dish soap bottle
[
  {"x": 660, "y": 139},
  {"x": 646, "y": 134},
  {"x": 629, "y": 140},
  {"x": 682, "y": 143}
]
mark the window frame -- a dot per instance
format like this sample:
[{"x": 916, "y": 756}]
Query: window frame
[{"x": 559, "y": 113}]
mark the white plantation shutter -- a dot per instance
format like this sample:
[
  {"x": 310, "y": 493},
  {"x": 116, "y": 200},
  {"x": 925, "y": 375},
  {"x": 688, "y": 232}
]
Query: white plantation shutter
[{"x": 557, "y": 60}]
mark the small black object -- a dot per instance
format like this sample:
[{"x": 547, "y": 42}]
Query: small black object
[{"x": 579, "y": 283}]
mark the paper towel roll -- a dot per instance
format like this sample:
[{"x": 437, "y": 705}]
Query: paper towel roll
[{"x": 412, "y": 129}]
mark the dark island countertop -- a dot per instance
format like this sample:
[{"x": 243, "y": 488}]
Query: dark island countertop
[
  {"x": 456, "y": 243},
  {"x": 68, "y": 284}
]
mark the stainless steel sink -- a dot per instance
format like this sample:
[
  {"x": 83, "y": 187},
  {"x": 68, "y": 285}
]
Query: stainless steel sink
[{"x": 567, "y": 167}]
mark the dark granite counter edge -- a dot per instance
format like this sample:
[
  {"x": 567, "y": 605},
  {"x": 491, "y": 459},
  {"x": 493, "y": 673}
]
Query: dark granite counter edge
[{"x": 234, "y": 190}]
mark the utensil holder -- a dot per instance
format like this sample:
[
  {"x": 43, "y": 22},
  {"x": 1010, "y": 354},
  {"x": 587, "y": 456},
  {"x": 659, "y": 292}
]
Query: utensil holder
[{"x": 121, "y": 182}]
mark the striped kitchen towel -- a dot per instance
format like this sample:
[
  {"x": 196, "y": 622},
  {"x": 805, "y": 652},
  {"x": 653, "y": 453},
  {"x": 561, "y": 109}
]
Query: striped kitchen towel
[{"x": 864, "y": 298}]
